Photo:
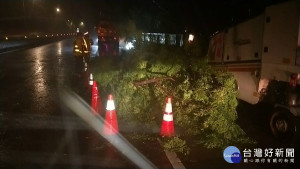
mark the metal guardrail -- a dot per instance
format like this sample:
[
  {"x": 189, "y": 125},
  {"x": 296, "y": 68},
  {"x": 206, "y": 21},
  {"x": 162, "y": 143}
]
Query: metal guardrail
[{"x": 4, "y": 37}]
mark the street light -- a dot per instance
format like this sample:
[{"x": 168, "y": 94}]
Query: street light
[
  {"x": 81, "y": 23},
  {"x": 191, "y": 38},
  {"x": 57, "y": 10}
]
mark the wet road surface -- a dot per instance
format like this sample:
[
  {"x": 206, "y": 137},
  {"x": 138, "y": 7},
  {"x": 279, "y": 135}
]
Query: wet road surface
[{"x": 37, "y": 130}]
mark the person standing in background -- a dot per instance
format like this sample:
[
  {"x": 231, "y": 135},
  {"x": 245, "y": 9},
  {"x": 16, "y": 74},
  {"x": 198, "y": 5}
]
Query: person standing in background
[{"x": 78, "y": 51}]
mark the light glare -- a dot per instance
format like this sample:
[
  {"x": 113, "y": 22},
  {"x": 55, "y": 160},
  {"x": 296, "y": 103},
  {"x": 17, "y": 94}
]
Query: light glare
[
  {"x": 82, "y": 109},
  {"x": 191, "y": 38}
]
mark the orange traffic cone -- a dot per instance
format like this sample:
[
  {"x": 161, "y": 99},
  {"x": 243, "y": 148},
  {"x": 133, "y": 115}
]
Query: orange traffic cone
[
  {"x": 167, "y": 126},
  {"x": 96, "y": 100},
  {"x": 111, "y": 122}
]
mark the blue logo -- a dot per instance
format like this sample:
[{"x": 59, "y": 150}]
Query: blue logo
[{"x": 232, "y": 155}]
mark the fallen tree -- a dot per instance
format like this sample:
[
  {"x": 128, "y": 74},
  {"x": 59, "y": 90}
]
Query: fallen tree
[{"x": 204, "y": 98}]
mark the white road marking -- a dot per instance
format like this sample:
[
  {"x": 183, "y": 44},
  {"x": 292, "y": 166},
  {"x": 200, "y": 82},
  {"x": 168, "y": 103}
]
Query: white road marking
[{"x": 174, "y": 160}]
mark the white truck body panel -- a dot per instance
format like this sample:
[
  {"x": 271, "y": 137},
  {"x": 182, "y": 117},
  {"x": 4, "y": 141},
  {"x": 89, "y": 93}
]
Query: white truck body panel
[
  {"x": 261, "y": 49},
  {"x": 244, "y": 41},
  {"x": 246, "y": 82},
  {"x": 281, "y": 40}
]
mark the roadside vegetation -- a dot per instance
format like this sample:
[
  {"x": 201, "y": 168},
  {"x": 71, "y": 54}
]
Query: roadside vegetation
[{"x": 204, "y": 98}]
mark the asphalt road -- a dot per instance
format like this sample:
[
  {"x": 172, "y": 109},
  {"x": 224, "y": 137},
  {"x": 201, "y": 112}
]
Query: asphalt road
[{"x": 37, "y": 130}]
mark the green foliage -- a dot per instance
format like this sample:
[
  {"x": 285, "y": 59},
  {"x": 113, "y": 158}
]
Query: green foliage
[
  {"x": 204, "y": 98},
  {"x": 175, "y": 144},
  {"x": 141, "y": 137}
]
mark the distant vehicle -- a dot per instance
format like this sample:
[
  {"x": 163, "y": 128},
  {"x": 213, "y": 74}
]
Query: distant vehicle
[
  {"x": 108, "y": 39},
  {"x": 263, "y": 54}
]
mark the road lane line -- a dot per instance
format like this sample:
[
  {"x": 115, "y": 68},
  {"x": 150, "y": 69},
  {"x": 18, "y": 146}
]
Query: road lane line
[
  {"x": 174, "y": 160},
  {"x": 172, "y": 156}
]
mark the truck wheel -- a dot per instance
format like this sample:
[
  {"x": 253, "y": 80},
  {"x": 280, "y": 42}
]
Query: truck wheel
[{"x": 282, "y": 125}]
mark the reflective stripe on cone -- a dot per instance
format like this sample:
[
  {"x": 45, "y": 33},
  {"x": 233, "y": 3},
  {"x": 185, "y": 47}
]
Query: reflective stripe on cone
[{"x": 111, "y": 123}]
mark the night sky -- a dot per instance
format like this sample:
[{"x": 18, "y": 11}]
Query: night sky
[{"x": 174, "y": 16}]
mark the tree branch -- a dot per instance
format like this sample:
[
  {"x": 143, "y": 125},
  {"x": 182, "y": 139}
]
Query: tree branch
[{"x": 154, "y": 80}]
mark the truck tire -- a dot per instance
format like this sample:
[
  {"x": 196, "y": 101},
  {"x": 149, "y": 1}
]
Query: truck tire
[{"x": 282, "y": 125}]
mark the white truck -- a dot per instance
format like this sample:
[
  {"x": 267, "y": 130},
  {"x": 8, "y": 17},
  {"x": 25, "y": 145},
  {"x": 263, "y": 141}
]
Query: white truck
[{"x": 263, "y": 54}]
